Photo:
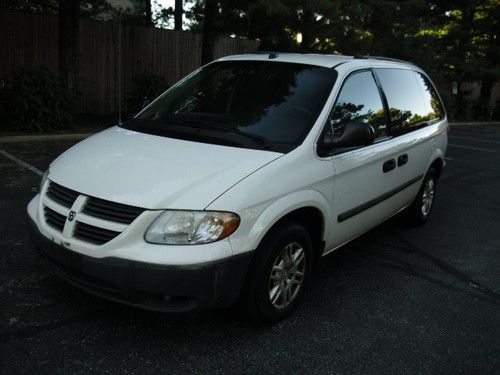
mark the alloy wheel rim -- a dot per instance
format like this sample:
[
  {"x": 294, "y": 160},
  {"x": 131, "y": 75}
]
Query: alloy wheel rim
[
  {"x": 287, "y": 276},
  {"x": 427, "y": 197}
]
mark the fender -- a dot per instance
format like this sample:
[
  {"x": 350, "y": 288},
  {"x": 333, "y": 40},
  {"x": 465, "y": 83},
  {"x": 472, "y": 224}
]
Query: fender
[{"x": 276, "y": 211}]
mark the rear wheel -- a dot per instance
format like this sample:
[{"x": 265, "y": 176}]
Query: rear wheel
[
  {"x": 279, "y": 274},
  {"x": 420, "y": 209}
]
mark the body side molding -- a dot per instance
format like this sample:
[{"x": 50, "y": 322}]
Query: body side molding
[{"x": 365, "y": 206}]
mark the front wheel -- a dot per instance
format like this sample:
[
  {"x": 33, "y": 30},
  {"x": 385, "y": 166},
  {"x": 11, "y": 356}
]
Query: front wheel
[
  {"x": 420, "y": 209},
  {"x": 279, "y": 274}
]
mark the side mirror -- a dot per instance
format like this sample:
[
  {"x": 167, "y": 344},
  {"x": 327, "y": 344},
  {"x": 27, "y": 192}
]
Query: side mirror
[{"x": 356, "y": 133}]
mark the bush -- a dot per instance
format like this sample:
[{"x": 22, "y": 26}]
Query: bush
[
  {"x": 35, "y": 100},
  {"x": 145, "y": 87},
  {"x": 462, "y": 109}
]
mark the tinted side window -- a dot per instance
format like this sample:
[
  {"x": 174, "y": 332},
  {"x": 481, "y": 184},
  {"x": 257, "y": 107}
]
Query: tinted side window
[
  {"x": 406, "y": 105},
  {"x": 359, "y": 99},
  {"x": 431, "y": 99}
]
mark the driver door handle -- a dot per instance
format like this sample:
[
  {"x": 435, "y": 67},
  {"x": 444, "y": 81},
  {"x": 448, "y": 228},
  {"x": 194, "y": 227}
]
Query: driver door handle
[
  {"x": 402, "y": 160},
  {"x": 389, "y": 165}
]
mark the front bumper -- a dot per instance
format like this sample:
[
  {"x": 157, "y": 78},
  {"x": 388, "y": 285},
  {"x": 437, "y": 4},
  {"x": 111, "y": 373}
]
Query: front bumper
[{"x": 150, "y": 286}]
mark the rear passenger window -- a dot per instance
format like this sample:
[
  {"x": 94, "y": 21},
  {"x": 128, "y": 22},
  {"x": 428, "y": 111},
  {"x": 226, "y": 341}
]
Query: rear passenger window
[
  {"x": 359, "y": 99},
  {"x": 432, "y": 102},
  {"x": 405, "y": 99}
]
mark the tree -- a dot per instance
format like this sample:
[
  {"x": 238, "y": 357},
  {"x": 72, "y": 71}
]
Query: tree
[
  {"x": 69, "y": 11},
  {"x": 178, "y": 15},
  {"x": 34, "y": 6},
  {"x": 463, "y": 42},
  {"x": 488, "y": 59},
  {"x": 139, "y": 12},
  {"x": 208, "y": 43},
  {"x": 148, "y": 16},
  {"x": 453, "y": 40},
  {"x": 165, "y": 15}
]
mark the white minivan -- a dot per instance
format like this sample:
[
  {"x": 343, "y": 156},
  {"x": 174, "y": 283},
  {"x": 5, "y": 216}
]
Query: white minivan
[{"x": 231, "y": 185}]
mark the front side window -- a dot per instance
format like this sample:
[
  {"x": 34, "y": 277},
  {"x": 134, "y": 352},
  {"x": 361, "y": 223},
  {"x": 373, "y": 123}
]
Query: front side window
[
  {"x": 359, "y": 100},
  {"x": 406, "y": 105},
  {"x": 253, "y": 104}
]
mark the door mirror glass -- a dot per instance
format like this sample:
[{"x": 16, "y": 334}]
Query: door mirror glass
[{"x": 355, "y": 133}]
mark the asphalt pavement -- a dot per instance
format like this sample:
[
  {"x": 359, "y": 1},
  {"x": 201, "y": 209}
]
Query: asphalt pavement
[{"x": 396, "y": 300}]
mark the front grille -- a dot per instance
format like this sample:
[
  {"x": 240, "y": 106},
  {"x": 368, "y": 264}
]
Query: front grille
[
  {"x": 103, "y": 220},
  {"x": 111, "y": 211},
  {"x": 54, "y": 219},
  {"x": 61, "y": 195},
  {"x": 94, "y": 234}
]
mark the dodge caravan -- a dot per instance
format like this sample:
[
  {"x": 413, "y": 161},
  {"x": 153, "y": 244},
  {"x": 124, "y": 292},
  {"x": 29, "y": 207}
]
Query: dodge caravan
[{"x": 232, "y": 184}]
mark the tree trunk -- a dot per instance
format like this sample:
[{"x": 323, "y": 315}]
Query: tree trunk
[
  {"x": 69, "y": 11},
  {"x": 484, "y": 99},
  {"x": 178, "y": 15},
  {"x": 463, "y": 46},
  {"x": 207, "y": 48},
  {"x": 307, "y": 32},
  {"x": 148, "y": 19},
  {"x": 489, "y": 80}
]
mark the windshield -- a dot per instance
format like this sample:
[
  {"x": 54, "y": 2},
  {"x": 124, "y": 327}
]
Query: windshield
[{"x": 253, "y": 104}]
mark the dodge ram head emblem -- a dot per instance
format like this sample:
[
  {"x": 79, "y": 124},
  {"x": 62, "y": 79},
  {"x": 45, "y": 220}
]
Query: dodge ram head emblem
[{"x": 71, "y": 215}]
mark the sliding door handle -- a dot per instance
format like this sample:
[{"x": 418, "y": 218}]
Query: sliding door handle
[
  {"x": 389, "y": 165},
  {"x": 402, "y": 160}
]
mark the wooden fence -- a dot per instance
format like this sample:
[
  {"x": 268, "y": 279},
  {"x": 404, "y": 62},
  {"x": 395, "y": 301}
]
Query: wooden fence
[{"x": 31, "y": 40}]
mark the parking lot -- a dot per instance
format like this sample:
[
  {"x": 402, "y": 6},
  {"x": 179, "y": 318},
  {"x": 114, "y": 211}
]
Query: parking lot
[{"x": 396, "y": 300}]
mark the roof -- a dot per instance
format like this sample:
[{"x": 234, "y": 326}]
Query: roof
[{"x": 327, "y": 61}]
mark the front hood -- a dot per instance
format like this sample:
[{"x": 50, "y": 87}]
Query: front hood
[{"x": 154, "y": 172}]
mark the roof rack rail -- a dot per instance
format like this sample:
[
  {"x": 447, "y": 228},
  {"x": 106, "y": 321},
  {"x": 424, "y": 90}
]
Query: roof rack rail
[
  {"x": 272, "y": 54},
  {"x": 382, "y": 58},
  {"x": 267, "y": 52}
]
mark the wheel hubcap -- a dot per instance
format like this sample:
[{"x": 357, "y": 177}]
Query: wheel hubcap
[
  {"x": 427, "y": 197},
  {"x": 287, "y": 275}
]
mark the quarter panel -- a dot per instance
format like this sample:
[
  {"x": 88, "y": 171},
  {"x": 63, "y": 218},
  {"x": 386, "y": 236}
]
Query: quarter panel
[{"x": 440, "y": 142}]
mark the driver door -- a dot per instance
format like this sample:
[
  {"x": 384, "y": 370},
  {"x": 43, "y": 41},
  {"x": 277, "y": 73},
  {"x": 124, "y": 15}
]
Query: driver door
[{"x": 365, "y": 176}]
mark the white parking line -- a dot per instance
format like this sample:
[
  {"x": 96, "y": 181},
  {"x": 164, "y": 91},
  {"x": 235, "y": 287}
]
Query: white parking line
[
  {"x": 472, "y": 148},
  {"x": 22, "y": 163}
]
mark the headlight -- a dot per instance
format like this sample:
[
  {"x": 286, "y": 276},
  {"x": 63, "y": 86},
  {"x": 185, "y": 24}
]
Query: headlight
[
  {"x": 191, "y": 227},
  {"x": 44, "y": 179}
]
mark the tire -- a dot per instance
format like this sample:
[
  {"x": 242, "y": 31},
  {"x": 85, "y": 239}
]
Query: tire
[
  {"x": 418, "y": 212},
  {"x": 267, "y": 277}
]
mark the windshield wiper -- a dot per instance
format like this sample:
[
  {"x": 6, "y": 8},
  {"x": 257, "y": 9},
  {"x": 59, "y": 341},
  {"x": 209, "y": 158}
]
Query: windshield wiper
[{"x": 211, "y": 125}]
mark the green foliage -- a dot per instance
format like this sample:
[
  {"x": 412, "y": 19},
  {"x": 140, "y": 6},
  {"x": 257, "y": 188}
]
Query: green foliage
[
  {"x": 35, "y": 100},
  {"x": 34, "y": 6},
  {"x": 145, "y": 87},
  {"x": 453, "y": 40}
]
